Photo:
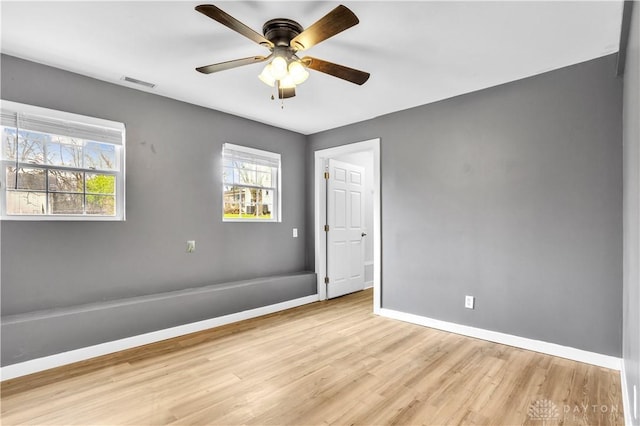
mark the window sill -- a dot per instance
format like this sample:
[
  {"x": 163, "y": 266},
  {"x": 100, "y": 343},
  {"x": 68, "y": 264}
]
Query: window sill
[{"x": 34, "y": 218}]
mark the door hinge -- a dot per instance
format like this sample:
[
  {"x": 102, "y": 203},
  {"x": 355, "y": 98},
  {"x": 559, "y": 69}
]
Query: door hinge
[
  {"x": 326, "y": 280},
  {"x": 326, "y": 228},
  {"x": 326, "y": 175}
]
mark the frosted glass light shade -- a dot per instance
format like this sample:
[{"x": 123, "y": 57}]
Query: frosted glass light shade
[
  {"x": 267, "y": 77},
  {"x": 287, "y": 82},
  {"x": 279, "y": 67},
  {"x": 298, "y": 72}
]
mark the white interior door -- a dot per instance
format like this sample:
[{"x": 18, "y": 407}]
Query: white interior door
[{"x": 345, "y": 248}]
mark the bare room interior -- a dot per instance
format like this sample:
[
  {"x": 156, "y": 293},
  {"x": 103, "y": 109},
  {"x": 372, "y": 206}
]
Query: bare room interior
[{"x": 313, "y": 212}]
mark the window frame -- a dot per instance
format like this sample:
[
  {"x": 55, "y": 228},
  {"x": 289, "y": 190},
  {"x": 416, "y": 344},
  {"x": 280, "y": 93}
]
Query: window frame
[
  {"x": 9, "y": 107},
  {"x": 277, "y": 197}
]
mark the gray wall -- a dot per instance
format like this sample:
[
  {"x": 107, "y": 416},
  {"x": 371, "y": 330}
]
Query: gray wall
[
  {"x": 631, "y": 135},
  {"x": 512, "y": 194},
  {"x": 173, "y": 195}
]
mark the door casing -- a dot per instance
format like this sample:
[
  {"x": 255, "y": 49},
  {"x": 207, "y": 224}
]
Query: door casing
[{"x": 320, "y": 157}]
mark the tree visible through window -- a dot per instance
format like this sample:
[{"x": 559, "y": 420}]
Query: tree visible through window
[
  {"x": 250, "y": 184},
  {"x": 60, "y": 169}
]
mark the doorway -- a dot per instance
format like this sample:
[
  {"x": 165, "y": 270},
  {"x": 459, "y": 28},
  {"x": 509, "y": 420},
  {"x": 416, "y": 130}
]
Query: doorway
[{"x": 366, "y": 152}]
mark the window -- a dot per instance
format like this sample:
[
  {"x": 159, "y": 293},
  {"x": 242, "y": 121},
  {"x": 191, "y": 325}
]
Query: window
[
  {"x": 60, "y": 166},
  {"x": 251, "y": 184}
]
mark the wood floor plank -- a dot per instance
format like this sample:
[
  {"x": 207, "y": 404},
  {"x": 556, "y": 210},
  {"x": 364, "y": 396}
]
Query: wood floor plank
[{"x": 327, "y": 363}]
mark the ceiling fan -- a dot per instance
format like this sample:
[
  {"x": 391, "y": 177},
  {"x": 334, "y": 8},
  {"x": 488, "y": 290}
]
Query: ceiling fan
[{"x": 285, "y": 38}]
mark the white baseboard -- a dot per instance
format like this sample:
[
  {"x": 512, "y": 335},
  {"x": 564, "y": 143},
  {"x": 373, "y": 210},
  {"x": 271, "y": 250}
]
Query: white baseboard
[
  {"x": 368, "y": 284},
  {"x": 627, "y": 403},
  {"x": 82, "y": 354},
  {"x": 580, "y": 355}
]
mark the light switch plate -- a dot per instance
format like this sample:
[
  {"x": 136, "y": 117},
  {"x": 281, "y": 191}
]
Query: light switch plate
[{"x": 191, "y": 246}]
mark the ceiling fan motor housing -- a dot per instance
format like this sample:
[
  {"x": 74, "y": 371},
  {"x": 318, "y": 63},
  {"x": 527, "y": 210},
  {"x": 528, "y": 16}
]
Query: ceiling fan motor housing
[{"x": 281, "y": 31}]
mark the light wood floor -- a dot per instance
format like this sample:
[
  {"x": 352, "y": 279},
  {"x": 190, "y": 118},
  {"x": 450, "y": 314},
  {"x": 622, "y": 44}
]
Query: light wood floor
[{"x": 325, "y": 363}]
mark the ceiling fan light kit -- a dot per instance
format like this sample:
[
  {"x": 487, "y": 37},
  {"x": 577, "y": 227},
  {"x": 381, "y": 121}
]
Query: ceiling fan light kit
[{"x": 284, "y": 38}]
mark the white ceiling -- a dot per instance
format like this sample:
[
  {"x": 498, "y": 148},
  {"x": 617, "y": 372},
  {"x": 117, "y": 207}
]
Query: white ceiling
[{"x": 417, "y": 52}]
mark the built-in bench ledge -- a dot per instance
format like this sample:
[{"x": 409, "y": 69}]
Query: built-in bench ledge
[{"x": 42, "y": 333}]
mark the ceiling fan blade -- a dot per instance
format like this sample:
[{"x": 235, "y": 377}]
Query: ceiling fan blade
[
  {"x": 224, "y": 18},
  {"x": 208, "y": 69},
  {"x": 340, "y": 71},
  {"x": 334, "y": 22}
]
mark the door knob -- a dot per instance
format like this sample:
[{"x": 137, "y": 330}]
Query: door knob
[{"x": 364, "y": 234}]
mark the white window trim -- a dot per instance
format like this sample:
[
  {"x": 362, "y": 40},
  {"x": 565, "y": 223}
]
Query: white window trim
[
  {"x": 278, "y": 202},
  {"x": 71, "y": 117}
]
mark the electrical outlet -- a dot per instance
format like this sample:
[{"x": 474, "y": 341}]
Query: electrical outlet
[
  {"x": 469, "y": 301},
  {"x": 191, "y": 246},
  {"x": 295, "y": 232}
]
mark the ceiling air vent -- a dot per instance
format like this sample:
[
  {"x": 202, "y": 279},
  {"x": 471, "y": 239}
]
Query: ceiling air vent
[{"x": 139, "y": 82}]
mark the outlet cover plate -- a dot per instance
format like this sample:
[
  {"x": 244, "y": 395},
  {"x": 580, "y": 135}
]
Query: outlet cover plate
[{"x": 469, "y": 302}]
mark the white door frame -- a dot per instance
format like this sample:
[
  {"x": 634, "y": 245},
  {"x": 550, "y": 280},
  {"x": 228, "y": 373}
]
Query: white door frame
[{"x": 372, "y": 145}]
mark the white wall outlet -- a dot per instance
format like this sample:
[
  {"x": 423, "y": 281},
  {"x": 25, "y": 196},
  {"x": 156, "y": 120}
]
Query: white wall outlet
[
  {"x": 469, "y": 301},
  {"x": 191, "y": 246},
  {"x": 295, "y": 232}
]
